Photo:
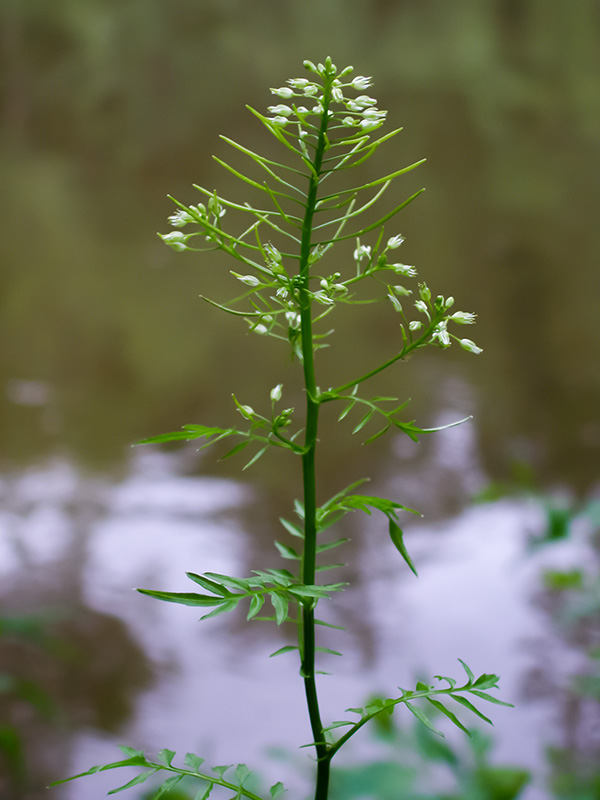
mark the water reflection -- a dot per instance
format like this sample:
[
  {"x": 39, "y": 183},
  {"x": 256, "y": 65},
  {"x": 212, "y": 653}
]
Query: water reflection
[{"x": 117, "y": 666}]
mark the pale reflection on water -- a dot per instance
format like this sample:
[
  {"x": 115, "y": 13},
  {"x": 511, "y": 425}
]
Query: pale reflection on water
[{"x": 73, "y": 542}]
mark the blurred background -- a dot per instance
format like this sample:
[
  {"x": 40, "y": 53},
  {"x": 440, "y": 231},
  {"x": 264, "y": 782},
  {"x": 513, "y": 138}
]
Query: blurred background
[{"x": 105, "y": 108}]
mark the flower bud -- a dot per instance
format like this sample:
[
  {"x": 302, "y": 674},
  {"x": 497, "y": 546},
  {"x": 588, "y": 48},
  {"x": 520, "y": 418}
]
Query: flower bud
[
  {"x": 425, "y": 292},
  {"x": 276, "y": 392},
  {"x": 249, "y": 280},
  {"x": 470, "y": 346},
  {"x": 284, "y": 91}
]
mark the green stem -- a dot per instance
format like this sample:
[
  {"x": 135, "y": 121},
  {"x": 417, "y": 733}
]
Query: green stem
[{"x": 307, "y": 630}]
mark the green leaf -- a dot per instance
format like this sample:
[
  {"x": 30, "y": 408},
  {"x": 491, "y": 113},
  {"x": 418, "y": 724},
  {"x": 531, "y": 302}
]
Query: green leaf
[
  {"x": 131, "y": 751},
  {"x": 206, "y": 583},
  {"x": 203, "y": 794},
  {"x": 280, "y": 604},
  {"x": 294, "y": 530},
  {"x": 255, "y": 457},
  {"x": 364, "y": 421},
  {"x": 466, "y": 704},
  {"x": 287, "y": 649},
  {"x": 397, "y": 539},
  {"x": 327, "y": 650},
  {"x": 468, "y": 670},
  {"x": 321, "y": 548},
  {"x": 490, "y": 698},
  {"x": 226, "y": 605},
  {"x": 134, "y": 781},
  {"x": 276, "y": 790},
  {"x": 229, "y": 580},
  {"x": 167, "y": 786},
  {"x": 339, "y": 724},
  {"x": 452, "y": 717},
  {"x": 241, "y": 773},
  {"x": 167, "y": 756},
  {"x": 451, "y": 682},
  {"x": 287, "y": 552},
  {"x": 486, "y": 681},
  {"x": 220, "y": 771},
  {"x": 235, "y": 449},
  {"x": 184, "y": 598},
  {"x": 423, "y": 718},
  {"x": 193, "y": 761},
  {"x": 256, "y": 603}
]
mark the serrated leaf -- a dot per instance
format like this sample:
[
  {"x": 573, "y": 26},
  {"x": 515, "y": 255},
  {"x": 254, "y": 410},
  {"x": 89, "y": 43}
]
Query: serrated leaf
[
  {"x": 486, "y": 681},
  {"x": 203, "y": 794},
  {"x": 184, "y": 598},
  {"x": 422, "y": 717},
  {"x": 280, "y": 605},
  {"x": 287, "y": 649},
  {"x": 466, "y": 704},
  {"x": 220, "y": 771},
  {"x": 131, "y": 751},
  {"x": 397, "y": 538},
  {"x": 241, "y": 773},
  {"x": 286, "y": 551},
  {"x": 490, "y": 698},
  {"x": 193, "y": 761},
  {"x": 206, "y": 583},
  {"x": 134, "y": 781},
  {"x": 256, "y": 603},
  {"x": 167, "y": 756},
  {"x": 452, "y": 717}
]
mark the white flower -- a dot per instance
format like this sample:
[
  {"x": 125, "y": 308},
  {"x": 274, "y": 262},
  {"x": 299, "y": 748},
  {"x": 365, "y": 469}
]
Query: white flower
[
  {"x": 298, "y": 83},
  {"x": 404, "y": 269},
  {"x": 249, "y": 280},
  {"x": 441, "y": 334},
  {"x": 284, "y": 91},
  {"x": 276, "y": 392},
  {"x": 279, "y": 121},
  {"x": 361, "y": 251},
  {"x": 176, "y": 240},
  {"x": 395, "y": 241},
  {"x": 318, "y": 109},
  {"x": 360, "y": 83},
  {"x": 293, "y": 319},
  {"x": 415, "y": 325},
  {"x": 470, "y": 346},
  {"x": 369, "y": 124},
  {"x": 180, "y": 218},
  {"x": 373, "y": 113},
  {"x": 337, "y": 95},
  {"x": 262, "y": 329},
  {"x": 348, "y": 121},
  {"x": 323, "y": 298},
  {"x": 364, "y": 100},
  {"x": 421, "y": 306},
  {"x": 311, "y": 90},
  {"x": 463, "y": 317},
  {"x": 280, "y": 110},
  {"x": 402, "y": 291}
]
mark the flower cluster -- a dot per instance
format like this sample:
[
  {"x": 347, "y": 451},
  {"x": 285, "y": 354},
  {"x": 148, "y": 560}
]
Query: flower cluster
[{"x": 358, "y": 112}]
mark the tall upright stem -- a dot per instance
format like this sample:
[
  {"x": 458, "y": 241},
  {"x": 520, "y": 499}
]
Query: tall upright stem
[{"x": 307, "y": 631}]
